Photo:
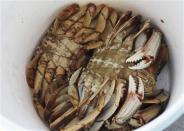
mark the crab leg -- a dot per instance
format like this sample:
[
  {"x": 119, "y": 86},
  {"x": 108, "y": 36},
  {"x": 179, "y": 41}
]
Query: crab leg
[
  {"x": 60, "y": 109},
  {"x": 125, "y": 29},
  {"x": 72, "y": 20},
  {"x": 53, "y": 99},
  {"x": 66, "y": 18},
  {"x": 72, "y": 122},
  {"x": 142, "y": 38},
  {"x": 129, "y": 41},
  {"x": 91, "y": 107},
  {"x": 85, "y": 30},
  {"x": 111, "y": 22},
  {"x": 132, "y": 103},
  {"x": 110, "y": 108},
  {"x": 82, "y": 34},
  {"x": 156, "y": 100},
  {"x": 60, "y": 96},
  {"x": 101, "y": 22},
  {"x": 89, "y": 15},
  {"x": 153, "y": 93},
  {"x": 95, "y": 91},
  {"x": 83, "y": 20},
  {"x": 149, "y": 81},
  {"x": 144, "y": 116},
  {"x": 41, "y": 69},
  {"x": 39, "y": 78},
  {"x": 68, "y": 11},
  {"x": 84, "y": 85},
  {"x": 40, "y": 110},
  {"x": 93, "y": 45},
  {"x": 55, "y": 85},
  {"x": 70, "y": 113},
  {"x": 127, "y": 25},
  {"x": 148, "y": 53},
  {"x": 91, "y": 117},
  {"x": 42, "y": 65},
  {"x": 99, "y": 28},
  {"x": 72, "y": 90},
  {"x": 57, "y": 106},
  {"x": 47, "y": 80},
  {"x": 124, "y": 17},
  {"x": 67, "y": 116},
  {"x": 123, "y": 127},
  {"x": 55, "y": 89},
  {"x": 107, "y": 90},
  {"x": 31, "y": 69},
  {"x": 160, "y": 98},
  {"x": 161, "y": 60}
]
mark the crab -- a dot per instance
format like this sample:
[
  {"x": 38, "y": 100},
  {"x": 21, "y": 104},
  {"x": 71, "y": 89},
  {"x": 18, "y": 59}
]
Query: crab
[
  {"x": 112, "y": 88},
  {"x": 64, "y": 48}
]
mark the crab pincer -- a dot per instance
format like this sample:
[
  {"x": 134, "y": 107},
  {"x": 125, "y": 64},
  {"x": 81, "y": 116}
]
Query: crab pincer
[{"x": 146, "y": 55}]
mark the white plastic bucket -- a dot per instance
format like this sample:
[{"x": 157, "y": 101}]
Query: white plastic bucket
[{"x": 23, "y": 24}]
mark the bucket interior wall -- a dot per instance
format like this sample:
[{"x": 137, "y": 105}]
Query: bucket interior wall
[{"x": 24, "y": 23}]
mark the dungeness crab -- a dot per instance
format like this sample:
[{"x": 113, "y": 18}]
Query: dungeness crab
[{"x": 96, "y": 69}]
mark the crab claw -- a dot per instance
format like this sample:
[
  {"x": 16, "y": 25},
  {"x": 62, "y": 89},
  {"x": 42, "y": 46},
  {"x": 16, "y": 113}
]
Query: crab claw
[
  {"x": 132, "y": 102},
  {"x": 145, "y": 56}
]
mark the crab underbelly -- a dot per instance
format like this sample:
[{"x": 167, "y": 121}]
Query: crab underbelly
[{"x": 108, "y": 63}]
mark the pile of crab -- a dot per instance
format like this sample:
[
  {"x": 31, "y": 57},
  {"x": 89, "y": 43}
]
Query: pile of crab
[{"x": 96, "y": 69}]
